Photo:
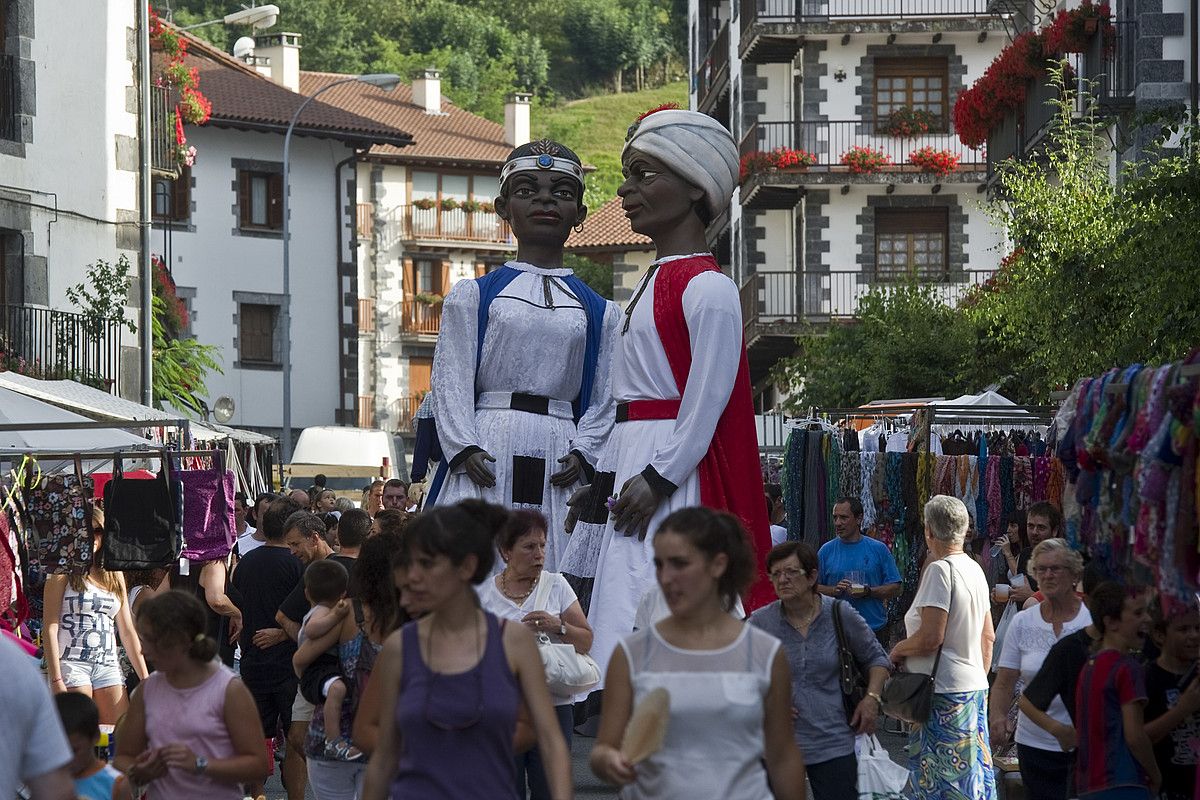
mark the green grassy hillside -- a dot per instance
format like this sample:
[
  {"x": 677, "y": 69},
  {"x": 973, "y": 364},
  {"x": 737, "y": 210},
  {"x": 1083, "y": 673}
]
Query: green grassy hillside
[{"x": 595, "y": 129}]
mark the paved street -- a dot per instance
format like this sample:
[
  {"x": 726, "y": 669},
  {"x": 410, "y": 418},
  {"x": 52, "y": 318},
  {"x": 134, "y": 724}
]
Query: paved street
[{"x": 586, "y": 784}]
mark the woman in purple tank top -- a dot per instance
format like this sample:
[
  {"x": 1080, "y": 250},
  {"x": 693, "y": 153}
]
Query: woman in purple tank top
[{"x": 454, "y": 679}]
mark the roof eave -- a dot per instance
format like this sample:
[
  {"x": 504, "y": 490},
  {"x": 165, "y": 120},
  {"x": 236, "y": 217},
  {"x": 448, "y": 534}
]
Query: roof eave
[
  {"x": 350, "y": 137},
  {"x": 434, "y": 161}
]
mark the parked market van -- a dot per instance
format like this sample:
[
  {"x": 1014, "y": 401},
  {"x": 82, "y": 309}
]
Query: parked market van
[{"x": 349, "y": 458}]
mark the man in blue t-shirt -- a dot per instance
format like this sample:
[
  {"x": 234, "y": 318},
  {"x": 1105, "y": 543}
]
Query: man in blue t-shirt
[{"x": 858, "y": 568}]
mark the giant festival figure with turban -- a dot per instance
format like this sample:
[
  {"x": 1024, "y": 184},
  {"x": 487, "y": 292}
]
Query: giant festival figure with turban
[{"x": 684, "y": 432}]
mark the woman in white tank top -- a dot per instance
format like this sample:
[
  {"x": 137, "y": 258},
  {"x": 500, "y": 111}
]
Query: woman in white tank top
[
  {"x": 84, "y": 615},
  {"x": 729, "y": 684}
]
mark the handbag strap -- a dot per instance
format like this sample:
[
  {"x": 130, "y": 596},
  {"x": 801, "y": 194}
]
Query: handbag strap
[
  {"x": 843, "y": 649},
  {"x": 938, "y": 659},
  {"x": 542, "y": 595}
]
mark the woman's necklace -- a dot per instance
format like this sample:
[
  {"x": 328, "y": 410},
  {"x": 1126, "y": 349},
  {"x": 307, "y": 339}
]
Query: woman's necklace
[
  {"x": 809, "y": 616},
  {"x": 518, "y": 599}
]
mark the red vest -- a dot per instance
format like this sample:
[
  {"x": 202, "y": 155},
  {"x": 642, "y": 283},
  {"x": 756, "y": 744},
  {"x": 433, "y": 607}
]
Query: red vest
[{"x": 730, "y": 472}]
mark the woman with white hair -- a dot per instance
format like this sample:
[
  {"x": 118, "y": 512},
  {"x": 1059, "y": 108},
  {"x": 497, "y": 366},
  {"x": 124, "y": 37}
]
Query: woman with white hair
[
  {"x": 1045, "y": 761},
  {"x": 950, "y": 756}
]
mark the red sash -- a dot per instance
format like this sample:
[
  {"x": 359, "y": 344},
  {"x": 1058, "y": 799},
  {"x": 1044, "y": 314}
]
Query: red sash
[{"x": 730, "y": 472}]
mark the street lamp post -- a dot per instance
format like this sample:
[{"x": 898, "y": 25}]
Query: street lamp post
[{"x": 387, "y": 82}]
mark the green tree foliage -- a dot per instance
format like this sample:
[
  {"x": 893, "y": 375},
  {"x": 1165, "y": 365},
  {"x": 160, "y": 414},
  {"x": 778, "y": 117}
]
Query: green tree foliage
[
  {"x": 593, "y": 273},
  {"x": 903, "y": 342}
]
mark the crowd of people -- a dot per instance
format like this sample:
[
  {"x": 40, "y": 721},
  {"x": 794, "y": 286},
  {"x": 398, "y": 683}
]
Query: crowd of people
[{"x": 596, "y": 511}]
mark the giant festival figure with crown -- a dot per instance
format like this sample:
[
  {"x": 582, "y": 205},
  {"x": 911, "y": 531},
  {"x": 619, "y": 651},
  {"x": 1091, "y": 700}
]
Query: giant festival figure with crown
[
  {"x": 520, "y": 378},
  {"x": 684, "y": 432}
]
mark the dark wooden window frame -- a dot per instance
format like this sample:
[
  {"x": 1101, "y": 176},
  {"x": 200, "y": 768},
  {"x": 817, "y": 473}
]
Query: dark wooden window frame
[
  {"x": 257, "y": 347},
  {"x": 274, "y": 209},
  {"x": 912, "y": 223},
  {"x": 910, "y": 68},
  {"x": 179, "y": 197}
]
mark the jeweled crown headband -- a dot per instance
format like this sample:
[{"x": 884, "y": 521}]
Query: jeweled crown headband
[{"x": 543, "y": 162}]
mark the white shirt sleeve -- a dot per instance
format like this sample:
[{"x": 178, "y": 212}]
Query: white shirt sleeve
[
  {"x": 597, "y": 422},
  {"x": 1010, "y": 654},
  {"x": 564, "y": 595},
  {"x": 934, "y": 589},
  {"x": 453, "y": 378},
  {"x": 714, "y": 319}
]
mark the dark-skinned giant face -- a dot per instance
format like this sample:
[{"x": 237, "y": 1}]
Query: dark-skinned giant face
[
  {"x": 655, "y": 199},
  {"x": 541, "y": 192}
]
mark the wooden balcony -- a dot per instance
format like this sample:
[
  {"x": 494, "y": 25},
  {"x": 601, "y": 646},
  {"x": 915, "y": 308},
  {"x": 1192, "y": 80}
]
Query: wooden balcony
[
  {"x": 52, "y": 345},
  {"x": 366, "y": 411},
  {"x": 418, "y": 317},
  {"x": 713, "y": 75},
  {"x": 402, "y": 413},
  {"x": 411, "y": 223}
]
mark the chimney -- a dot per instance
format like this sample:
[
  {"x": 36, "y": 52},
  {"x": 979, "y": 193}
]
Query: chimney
[
  {"x": 516, "y": 119},
  {"x": 427, "y": 91},
  {"x": 283, "y": 53}
]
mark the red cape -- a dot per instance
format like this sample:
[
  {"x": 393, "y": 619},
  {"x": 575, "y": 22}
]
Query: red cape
[{"x": 730, "y": 472}]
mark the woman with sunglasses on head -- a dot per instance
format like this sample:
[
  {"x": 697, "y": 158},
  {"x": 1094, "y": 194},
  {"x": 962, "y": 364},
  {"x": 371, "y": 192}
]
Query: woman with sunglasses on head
[
  {"x": 456, "y": 677},
  {"x": 84, "y": 612}
]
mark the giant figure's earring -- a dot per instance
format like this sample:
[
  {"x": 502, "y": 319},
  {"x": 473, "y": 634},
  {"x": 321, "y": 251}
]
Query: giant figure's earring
[{"x": 579, "y": 227}]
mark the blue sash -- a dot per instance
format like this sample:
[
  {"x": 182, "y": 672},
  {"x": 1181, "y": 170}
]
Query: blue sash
[{"x": 594, "y": 305}]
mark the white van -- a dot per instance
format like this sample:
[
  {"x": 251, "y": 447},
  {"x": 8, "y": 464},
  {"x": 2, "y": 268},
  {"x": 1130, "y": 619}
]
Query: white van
[{"x": 349, "y": 458}]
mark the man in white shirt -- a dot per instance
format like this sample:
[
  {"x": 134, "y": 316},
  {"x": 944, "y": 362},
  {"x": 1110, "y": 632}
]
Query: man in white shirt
[
  {"x": 248, "y": 536},
  {"x": 33, "y": 749}
]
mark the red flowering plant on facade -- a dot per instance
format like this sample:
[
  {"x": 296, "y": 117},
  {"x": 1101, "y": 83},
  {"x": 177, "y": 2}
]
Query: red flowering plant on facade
[
  {"x": 1001, "y": 89},
  {"x": 192, "y": 107},
  {"x": 759, "y": 163},
  {"x": 865, "y": 160},
  {"x": 175, "y": 314},
  {"x": 907, "y": 123},
  {"x": 930, "y": 159}
]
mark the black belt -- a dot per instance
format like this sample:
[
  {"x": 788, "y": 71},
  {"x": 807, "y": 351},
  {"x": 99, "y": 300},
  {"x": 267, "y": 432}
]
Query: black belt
[{"x": 530, "y": 403}]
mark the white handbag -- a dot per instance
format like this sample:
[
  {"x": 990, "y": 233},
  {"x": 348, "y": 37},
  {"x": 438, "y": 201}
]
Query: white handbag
[{"x": 567, "y": 671}]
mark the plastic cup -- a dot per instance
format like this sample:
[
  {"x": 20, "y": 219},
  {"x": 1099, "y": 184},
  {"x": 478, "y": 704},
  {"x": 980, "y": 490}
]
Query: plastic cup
[{"x": 1002, "y": 590}]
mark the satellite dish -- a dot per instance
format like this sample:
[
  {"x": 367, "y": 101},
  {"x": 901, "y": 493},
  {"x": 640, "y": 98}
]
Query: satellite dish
[
  {"x": 243, "y": 47},
  {"x": 223, "y": 409}
]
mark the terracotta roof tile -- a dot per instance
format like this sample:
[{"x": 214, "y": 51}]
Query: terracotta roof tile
[
  {"x": 607, "y": 228},
  {"x": 242, "y": 98},
  {"x": 456, "y": 136}
]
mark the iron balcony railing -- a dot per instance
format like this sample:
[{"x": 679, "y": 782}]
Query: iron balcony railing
[
  {"x": 829, "y": 140},
  {"x": 8, "y": 97},
  {"x": 784, "y": 299},
  {"x": 54, "y": 345},
  {"x": 411, "y": 222},
  {"x": 714, "y": 61},
  {"x": 1110, "y": 61},
  {"x": 783, "y": 11},
  {"x": 162, "y": 132}
]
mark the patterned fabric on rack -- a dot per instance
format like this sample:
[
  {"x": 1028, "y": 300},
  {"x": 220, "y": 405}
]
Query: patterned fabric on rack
[
  {"x": 792, "y": 483},
  {"x": 1008, "y": 500},
  {"x": 991, "y": 487},
  {"x": 57, "y": 507},
  {"x": 1022, "y": 482},
  {"x": 867, "y": 463},
  {"x": 926, "y": 464},
  {"x": 944, "y": 477},
  {"x": 850, "y": 479},
  {"x": 982, "y": 508},
  {"x": 831, "y": 447}
]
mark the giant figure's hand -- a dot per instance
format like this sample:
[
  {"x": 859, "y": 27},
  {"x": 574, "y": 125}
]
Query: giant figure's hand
[
  {"x": 635, "y": 506},
  {"x": 569, "y": 473},
  {"x": 478, "y": 470},
  {"x": 578, "y": 501}
]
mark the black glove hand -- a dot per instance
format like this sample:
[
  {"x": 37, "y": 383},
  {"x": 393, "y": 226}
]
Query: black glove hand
[
  {"x": 570, "y": 472},
  {"x": 635, "y": 506},
  {"x": 478, "y": 470},
  {"x": 579, "y": 500}
]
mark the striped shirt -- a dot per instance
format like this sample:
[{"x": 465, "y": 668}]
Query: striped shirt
[{"x": 1110, "y": 681}]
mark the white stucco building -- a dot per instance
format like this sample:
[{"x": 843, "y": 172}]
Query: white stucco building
[
  {"x": 68, "y": 178},
  {"x": 826, "y": 77},
  {"x": 219, "y": 228}
]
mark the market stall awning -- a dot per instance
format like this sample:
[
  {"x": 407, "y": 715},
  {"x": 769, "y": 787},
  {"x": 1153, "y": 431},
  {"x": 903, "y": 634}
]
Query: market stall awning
[{"x": 19, "y": 409}]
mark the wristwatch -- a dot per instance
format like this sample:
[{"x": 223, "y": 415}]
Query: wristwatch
[
  {"x": 201, "y": 764},
  {"x": 562, "y": 628}
]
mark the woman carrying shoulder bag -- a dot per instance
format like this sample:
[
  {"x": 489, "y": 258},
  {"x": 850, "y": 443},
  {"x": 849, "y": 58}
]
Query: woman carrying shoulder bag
[
  {"x": 514, "y": 594},
  {"x": 803, "y": 620},
  {"x": 950, "y": 636}
]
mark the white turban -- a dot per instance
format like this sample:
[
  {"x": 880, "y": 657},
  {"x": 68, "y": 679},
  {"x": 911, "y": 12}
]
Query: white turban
[{"x": 696, "y": 147}]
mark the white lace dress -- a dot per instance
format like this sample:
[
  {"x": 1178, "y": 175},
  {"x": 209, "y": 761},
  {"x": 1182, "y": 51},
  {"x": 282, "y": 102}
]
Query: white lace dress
[
  {"x": 534, "y": 345},
  {"x": 714, "y": 746}
]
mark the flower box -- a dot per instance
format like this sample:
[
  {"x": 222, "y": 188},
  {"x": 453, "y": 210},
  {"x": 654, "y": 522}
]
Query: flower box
[{"x": 865, "y": 160}]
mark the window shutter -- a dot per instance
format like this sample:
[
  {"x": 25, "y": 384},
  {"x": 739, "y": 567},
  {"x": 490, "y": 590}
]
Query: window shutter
[
  {"x": 445, "y": 281},
  {"x": 181, "y": 196},
  {"x": 409, "y": 279},
  {"x": 244, "y": 201},
  {"x": 911, "y": 220},
  {"x": 480, "y": 269},
  {"x": 275, "y": 201}
]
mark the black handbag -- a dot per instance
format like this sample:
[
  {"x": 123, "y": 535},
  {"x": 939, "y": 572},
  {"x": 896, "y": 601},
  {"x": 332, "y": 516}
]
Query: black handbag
[
  {"x": 908, "y": 696},
  {"x": 853, "y": 682},
  {"x": 143, "y": 526}
]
